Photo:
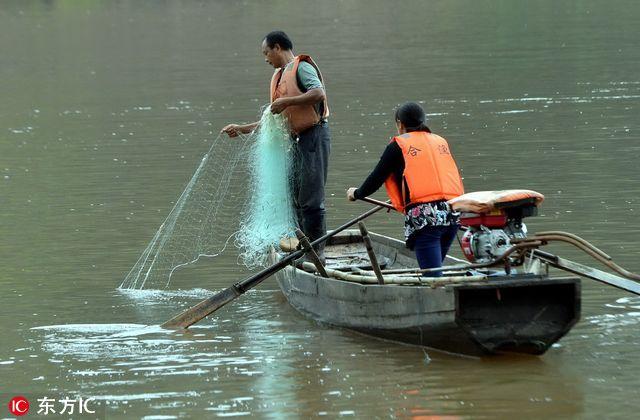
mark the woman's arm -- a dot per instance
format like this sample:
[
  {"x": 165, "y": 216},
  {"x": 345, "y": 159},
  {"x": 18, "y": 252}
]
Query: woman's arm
[{"x": 390, "y": 162}]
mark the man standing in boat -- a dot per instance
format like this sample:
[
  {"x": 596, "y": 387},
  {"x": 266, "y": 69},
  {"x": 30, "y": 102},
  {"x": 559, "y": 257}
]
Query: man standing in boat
[
  {"x": 297, "y": 91},
  {"x": 420, "y": 175}
]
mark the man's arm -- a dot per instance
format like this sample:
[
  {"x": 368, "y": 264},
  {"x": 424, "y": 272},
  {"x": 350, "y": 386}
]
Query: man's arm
[
  {"x": 234, "y": 130},
  {"x": 311, "y": 97},
  {"x": 309, "y": 83}
]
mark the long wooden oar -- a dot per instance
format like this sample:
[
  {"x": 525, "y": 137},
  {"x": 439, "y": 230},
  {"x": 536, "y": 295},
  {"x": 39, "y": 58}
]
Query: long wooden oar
[
  {"x": 384, "y": 204},
  {"x": 217, "y": 301}
]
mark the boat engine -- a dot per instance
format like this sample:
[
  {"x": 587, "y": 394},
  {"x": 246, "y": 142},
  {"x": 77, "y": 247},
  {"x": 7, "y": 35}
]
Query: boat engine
[{"x": 489, "y": 235}]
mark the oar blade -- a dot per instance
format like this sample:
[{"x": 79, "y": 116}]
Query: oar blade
[{"x": 202, "y": 309}]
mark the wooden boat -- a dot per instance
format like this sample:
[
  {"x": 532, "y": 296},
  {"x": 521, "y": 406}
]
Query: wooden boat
[
  {"x": 467, "y": 311},
  {"x": 473, "y": 309}
]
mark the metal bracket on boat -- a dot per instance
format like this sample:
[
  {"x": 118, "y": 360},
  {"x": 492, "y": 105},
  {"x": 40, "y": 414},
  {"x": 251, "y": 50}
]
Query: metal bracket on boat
[
  {"x": 589, "y": 272},
  {"x": 529, "y": 247},
  {"x": 583, "y": 245},
  {"x": 308, "y": 249},
  {"x": 626, "y": 281}
]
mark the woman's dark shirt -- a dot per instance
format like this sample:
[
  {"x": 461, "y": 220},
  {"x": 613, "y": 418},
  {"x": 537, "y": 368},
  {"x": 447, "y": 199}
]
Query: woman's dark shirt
[{"x": 435, "y": 213}]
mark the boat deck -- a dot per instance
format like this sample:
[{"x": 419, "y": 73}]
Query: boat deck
[{"x": 347, "y": 259}]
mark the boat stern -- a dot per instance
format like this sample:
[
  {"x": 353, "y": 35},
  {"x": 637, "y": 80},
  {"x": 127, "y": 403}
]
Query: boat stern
[{"x": 518, "y": 314}]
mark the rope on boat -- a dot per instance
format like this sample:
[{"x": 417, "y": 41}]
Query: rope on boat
[{"x": 395, "y": 280}]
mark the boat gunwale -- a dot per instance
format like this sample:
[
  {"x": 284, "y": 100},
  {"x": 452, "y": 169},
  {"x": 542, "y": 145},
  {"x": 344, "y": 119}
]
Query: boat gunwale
[{"x": 408, "y": 280}]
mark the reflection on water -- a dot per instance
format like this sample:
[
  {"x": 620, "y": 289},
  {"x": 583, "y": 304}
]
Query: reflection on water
[
  {"x": 108, "y": 107},
  {"x": 280, "y": 363}
]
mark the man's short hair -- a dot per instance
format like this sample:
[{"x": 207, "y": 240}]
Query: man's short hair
[{"x": 280, "y": 38}]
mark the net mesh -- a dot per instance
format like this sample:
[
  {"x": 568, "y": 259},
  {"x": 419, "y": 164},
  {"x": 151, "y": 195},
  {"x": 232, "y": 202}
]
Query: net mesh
[
  {"x": 239, "y": 194},
  {"x": 268, "y": 215}
]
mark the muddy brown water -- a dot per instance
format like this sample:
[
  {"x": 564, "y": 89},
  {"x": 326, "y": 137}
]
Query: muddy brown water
[{"x": 108, "y": 106}]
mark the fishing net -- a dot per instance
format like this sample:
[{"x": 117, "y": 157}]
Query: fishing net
[
  {"x": 239, "y": 194},
  {"x": 268, "y": 214}
]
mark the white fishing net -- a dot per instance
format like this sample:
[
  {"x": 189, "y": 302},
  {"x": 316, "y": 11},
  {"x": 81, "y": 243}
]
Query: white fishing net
[{"x": 239, "y": 194}]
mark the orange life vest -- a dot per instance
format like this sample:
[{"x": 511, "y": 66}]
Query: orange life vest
[
  {"x": 430, "y": 172},
  {"x": 284, "y": 83}
]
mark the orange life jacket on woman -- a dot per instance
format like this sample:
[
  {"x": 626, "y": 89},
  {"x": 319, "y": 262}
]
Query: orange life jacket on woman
[
  {"x": 430, "y": 173},
  {"x": 284, "y": 83}
]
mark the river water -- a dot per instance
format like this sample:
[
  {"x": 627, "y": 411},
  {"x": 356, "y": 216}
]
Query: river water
[{"x": 107, "y": 108}]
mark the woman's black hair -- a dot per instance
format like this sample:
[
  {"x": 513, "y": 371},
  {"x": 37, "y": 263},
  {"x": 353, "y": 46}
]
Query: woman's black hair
[
  {"x": 280, "y": 38},
  {"x": 412, "y": 116}
]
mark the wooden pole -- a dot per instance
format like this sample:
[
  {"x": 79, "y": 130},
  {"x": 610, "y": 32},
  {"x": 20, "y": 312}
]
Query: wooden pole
[
  {"x": 308, "y": 249},
  {"x": 372, "y": 255},
  {"x": 386, "y": 205}
]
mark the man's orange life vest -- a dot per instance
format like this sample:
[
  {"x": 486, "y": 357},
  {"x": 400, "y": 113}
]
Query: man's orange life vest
[
  {"x": 430, "y": 173},
  {"x": 284, "y": 84}
]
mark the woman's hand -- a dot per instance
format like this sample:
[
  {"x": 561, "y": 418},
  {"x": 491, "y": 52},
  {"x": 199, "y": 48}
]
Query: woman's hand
[{"x": 351, "y": 194}]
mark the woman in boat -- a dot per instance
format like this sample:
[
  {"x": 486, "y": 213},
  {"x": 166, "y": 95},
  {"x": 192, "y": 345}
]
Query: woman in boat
[{"x": 420, "y": 175}]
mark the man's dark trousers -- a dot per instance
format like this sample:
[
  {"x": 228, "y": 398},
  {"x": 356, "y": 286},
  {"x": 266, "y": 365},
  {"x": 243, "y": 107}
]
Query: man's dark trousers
[{"x": 311, "y": 161}]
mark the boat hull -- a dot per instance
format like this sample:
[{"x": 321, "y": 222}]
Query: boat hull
[{"x": 521, "y": 313}]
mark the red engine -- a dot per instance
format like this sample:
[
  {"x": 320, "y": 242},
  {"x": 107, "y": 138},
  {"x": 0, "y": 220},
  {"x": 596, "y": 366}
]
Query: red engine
[{"x": 489, "y": 235}]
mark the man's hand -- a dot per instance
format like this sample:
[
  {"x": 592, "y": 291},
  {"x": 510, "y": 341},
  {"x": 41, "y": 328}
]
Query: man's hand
[
  {"x": 279, "y": 105},
  {"x": 232, "y": 130},
  {"x": 351, "y": 194}
]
